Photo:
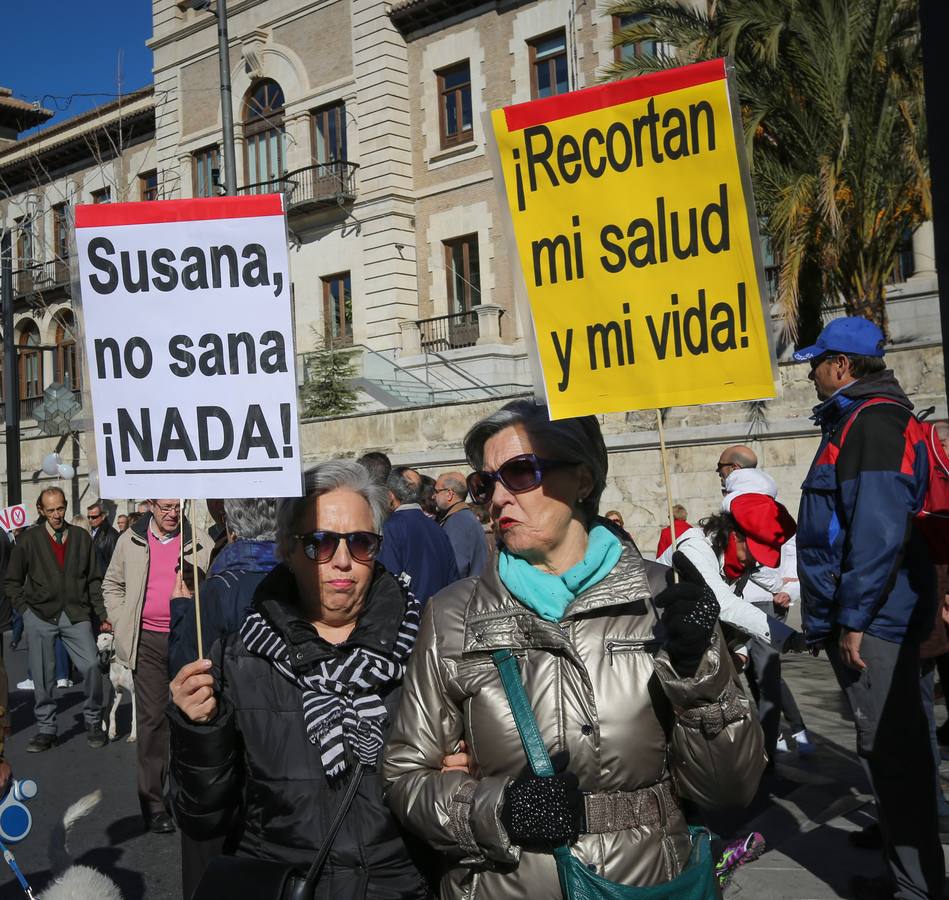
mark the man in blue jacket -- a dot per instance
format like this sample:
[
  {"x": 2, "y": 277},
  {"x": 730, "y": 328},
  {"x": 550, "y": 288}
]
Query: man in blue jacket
[
  {"x": 414, "y": 548},
  {"x": 868, "y": 589}
]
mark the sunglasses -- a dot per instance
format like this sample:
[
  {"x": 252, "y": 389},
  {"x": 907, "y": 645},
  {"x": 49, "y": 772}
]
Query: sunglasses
[
  {"x": 320, "y": 546},
  {"x": 519, "y": 474}
]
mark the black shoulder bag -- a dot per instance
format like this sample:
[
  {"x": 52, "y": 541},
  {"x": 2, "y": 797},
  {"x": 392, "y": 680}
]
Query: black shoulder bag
[{"x": 227, "y": 877}]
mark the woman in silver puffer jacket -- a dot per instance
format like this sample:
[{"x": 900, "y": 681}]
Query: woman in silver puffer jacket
[{"x": 637, "y": 712}]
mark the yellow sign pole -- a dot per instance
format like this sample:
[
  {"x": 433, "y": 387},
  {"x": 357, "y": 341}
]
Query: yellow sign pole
[{"x": 665, "y": 476}]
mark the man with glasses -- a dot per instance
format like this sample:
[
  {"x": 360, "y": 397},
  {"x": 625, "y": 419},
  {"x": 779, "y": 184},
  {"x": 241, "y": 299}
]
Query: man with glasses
[
  {"x": 414, "y": 548},
  {"x": 460, "y": 524},
  {"x": 53, "y": 581},
  {"x": 734, "y": 458},
  {"x": 138, "y": 588},
  {"x": 104, "y": 536},
  {"x": 868, "y": 589}
]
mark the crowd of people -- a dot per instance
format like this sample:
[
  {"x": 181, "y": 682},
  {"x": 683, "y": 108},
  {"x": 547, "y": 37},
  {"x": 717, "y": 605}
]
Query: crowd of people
[{"x": 480, "y": 686}]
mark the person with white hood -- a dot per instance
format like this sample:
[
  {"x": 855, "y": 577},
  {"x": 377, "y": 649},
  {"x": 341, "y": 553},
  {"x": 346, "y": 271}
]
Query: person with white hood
[
  {"x": 774, "y": 591},
  {"x": 729, "y": 550}
]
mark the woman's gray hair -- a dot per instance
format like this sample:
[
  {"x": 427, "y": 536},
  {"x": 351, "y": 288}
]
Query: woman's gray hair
[
  {"x": 578, "y": 440},
  {"x": 252, "y": 518},
  {"x": 329, "y": 476}
]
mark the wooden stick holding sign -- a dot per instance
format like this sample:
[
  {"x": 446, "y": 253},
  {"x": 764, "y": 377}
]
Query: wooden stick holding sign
[
  {"x": 665, "y": 476},
  {"x": 197, "y": 580}
]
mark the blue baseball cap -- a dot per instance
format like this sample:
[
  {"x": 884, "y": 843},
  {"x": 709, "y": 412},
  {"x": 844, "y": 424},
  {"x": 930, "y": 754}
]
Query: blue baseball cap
[{"x": 848, "y": 334}]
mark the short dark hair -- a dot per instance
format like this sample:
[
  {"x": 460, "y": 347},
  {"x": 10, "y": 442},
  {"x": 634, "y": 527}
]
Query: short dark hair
[
  {"x": 377, "y": 465},
  {"x": 861, "y": 366},
  {"x": 405, "y": 491},
  {"x": 94, "y": 504}
]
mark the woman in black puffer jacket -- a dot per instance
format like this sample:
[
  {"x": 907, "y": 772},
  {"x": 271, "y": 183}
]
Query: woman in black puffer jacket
[{"x": 265, "y": 732}]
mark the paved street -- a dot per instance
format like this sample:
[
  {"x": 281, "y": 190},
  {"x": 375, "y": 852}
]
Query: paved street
[
  {"x": 804, "y": 813},
  {"x": 145, "y": 866}
]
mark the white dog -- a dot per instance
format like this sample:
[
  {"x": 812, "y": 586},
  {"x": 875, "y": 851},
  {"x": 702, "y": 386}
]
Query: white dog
[
  {"x": 121, "y": 677},
  {"x": 75, "y": 882}
]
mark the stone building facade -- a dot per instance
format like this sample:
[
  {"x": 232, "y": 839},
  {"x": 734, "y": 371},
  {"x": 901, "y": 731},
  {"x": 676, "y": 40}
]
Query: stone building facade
[{"x": 367, "y": 115}]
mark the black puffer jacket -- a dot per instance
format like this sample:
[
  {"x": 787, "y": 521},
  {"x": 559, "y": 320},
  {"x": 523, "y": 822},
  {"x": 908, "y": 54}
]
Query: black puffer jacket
[{"x": 254, "y": 761}]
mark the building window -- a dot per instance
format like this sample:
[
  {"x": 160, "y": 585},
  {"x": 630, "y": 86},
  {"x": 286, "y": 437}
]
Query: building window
[
  {"x": 329, "y": 134},
  {"x": 66, "y": 369},
  {"x": 205, "y": 165},
  {"x": 61, "y": 230},
  {"x": 24, "y": 242},
  {"x": 904, "y": 265},
  {"x": 148, "y": 185},
  {"x": 632, "y": 51},
  {"x": 31, "y": 366},
  {"x": 264, "y": 137},
  {"x": 338, "y": 309},
  {"x": 548, "y": 57},
  {"x": 103, "y": 195},
  {"x": 454, "y": 104},
  {"x": 464, "y": 273}
]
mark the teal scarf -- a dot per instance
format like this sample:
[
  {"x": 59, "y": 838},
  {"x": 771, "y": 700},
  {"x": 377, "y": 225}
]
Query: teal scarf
[{"x": 550, "y": 595}]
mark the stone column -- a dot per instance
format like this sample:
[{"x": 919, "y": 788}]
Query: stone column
[
  {"x": 411, "y": 337},
  {"x": 489, "y": 323}
]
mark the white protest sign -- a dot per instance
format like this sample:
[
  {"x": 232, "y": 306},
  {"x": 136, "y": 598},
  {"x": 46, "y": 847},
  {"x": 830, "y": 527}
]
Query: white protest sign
[
  {"x": 13, "y": 517},
  {"x": 189, "y": 347}
]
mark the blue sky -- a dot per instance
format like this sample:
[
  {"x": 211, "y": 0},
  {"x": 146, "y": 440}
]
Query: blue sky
[{"x": 58, "y": 49}]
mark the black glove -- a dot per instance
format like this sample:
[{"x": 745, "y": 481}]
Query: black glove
[
  {"x": 544, "y": 813},
  {"x": 690, "y": 613}
]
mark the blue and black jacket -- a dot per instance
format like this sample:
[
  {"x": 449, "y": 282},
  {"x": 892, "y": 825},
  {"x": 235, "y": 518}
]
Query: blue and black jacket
[
  {"x": 226, "y": 598},
  {"x": 862, "y": 563}
]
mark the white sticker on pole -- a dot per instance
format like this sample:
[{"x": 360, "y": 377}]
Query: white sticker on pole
[
  {"x": 13, "y": 517},
  {"x": 189, "y": 347}
]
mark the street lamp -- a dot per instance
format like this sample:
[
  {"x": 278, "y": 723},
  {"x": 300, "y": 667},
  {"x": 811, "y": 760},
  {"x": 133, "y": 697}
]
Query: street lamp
[{"x": 227, "y": 114}]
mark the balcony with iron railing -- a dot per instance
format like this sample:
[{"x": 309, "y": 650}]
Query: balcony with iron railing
[
  {"x": 451, "y": 332},
  {"x": 40, "y": 276},
  {"x": 312, "y": 187}
]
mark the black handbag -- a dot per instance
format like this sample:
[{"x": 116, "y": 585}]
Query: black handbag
[{"x": 227, "y": 877}]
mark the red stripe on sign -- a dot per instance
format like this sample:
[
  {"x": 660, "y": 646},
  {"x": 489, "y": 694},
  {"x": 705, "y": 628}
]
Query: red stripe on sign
[
  {"x": 575, "y": 103},
  {"x": 154, "y": 212}
]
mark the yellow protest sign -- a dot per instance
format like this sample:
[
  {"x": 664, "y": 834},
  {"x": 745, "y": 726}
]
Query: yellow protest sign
[{"x": 633, "y": 224}]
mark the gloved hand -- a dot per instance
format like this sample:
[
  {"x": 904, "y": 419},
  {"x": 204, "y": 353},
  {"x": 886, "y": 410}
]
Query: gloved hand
[
  {"x": 690, "y": 613},
  {"x": 543, "y": 813}
]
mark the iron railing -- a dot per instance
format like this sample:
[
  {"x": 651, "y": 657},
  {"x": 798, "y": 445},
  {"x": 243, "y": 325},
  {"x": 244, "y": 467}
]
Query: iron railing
[
  {"x": 450, "y": 332},
  {"x": 40, "y": 276},
  {"x": 312, "y": 186}
]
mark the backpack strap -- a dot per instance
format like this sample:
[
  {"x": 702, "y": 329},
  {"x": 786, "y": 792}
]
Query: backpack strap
[{"x": 873, "y": 401}]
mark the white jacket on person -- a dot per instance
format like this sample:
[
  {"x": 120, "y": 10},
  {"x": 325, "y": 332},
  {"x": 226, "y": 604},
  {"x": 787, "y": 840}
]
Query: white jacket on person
[{"x": 735, "y": 610}]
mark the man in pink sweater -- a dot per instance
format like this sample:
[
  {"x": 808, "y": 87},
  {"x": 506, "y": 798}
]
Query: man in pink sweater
[{"x": 137, "y": 589}]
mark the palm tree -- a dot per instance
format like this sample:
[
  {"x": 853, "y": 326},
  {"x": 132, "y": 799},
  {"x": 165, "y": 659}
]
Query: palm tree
[{"x": 832, "y": 107}]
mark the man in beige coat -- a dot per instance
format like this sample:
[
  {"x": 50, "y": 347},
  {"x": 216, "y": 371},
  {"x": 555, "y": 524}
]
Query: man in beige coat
[{"x": 137, "y": 590}]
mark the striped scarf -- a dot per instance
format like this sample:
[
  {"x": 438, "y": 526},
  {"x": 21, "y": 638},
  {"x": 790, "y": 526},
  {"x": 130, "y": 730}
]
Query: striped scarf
[{"x": 341, "y": 704}]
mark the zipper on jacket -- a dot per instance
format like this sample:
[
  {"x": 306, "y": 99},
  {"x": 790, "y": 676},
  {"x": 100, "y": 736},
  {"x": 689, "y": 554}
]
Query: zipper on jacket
[{"x": 627, "y": 646}]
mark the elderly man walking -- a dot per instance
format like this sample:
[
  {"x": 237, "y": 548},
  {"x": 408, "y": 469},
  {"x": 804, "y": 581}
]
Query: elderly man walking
[
  {"x": 414, "y": 548},
  {"x": 460, "y": 524},
  {"x": 868, "y": 589},
  {"x": 54, "y": 582},
  {"x": 138, "y": 588}
]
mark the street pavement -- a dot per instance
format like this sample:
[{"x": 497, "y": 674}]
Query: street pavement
[
  {"x": 804, "y": 812},
  {"x": 111, "y": 838}
]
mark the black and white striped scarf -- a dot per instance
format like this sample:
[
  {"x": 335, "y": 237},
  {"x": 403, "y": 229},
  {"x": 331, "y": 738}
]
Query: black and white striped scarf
[{"x": 341, "y": 704}]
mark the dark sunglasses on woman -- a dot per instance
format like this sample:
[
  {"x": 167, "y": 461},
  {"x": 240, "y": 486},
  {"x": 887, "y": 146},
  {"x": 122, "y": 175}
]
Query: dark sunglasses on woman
[
  {"x": 519, "y": 474},
  {"x": 320, "y": 546}
]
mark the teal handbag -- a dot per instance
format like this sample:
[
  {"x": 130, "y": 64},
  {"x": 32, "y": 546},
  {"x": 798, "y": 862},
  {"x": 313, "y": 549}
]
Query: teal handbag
[{"x": 577, "y": 882}]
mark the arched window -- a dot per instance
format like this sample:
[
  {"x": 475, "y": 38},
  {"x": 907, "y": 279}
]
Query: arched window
[
  {"x": 264, "y": 136},
  {"x": 67, "y": 362},
  {"x": 31, "y": 368}
]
